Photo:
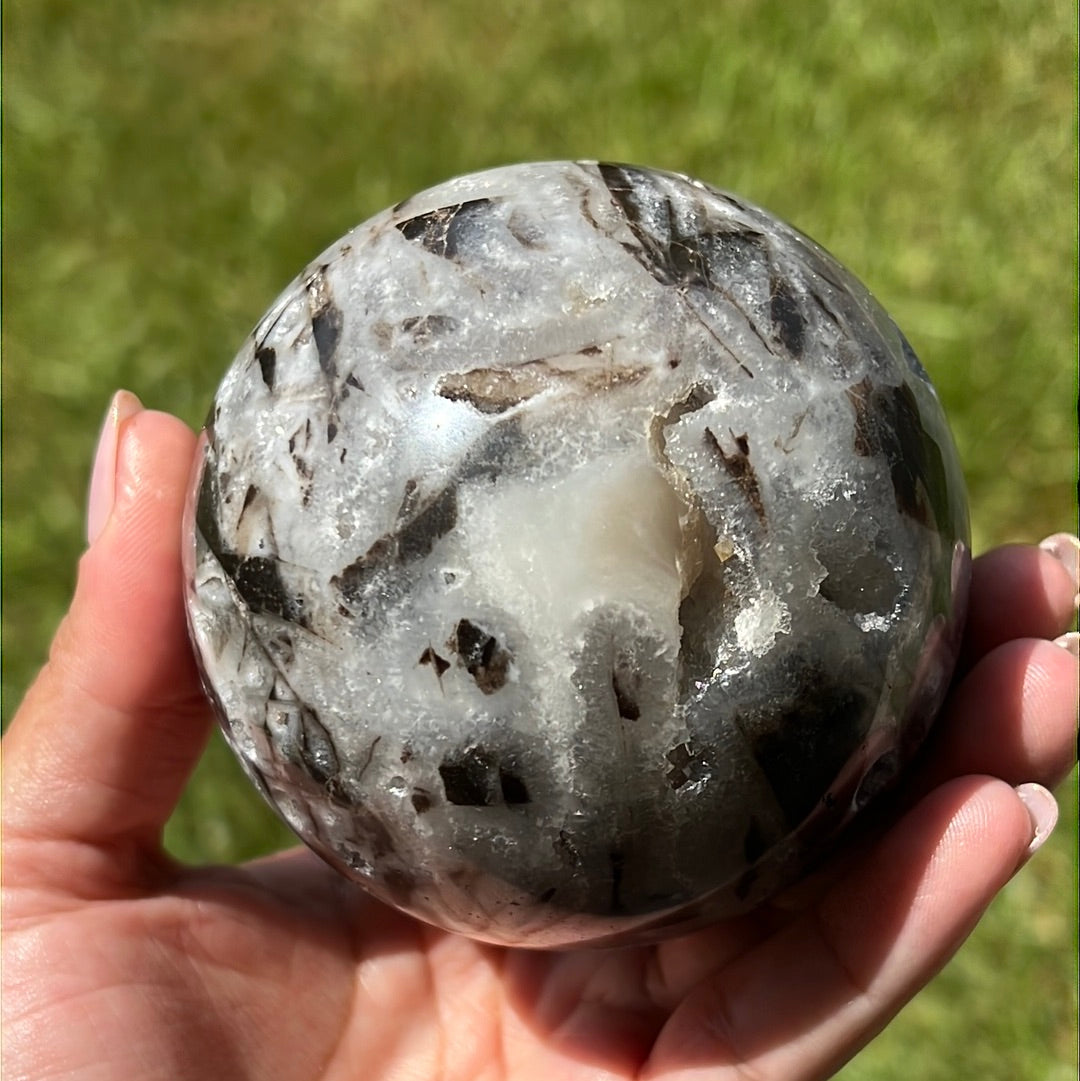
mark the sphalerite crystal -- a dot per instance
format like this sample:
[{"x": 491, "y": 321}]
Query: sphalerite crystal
[{"x": 574, "y": 549}]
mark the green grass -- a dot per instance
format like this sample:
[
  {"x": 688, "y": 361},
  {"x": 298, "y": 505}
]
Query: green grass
[{"x": 171, "y": 166}]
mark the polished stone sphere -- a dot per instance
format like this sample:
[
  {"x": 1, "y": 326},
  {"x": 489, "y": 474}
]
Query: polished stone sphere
[{"x": 574, "y": 549}]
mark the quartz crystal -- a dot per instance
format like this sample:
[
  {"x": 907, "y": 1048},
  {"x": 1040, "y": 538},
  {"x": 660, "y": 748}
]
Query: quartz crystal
[{"x": 573, "y": 550}]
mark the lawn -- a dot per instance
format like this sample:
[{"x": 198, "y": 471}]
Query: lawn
[{"x": 170, "y": 166}]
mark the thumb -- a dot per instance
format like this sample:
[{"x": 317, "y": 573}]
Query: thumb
[{"x": 108, "y": 734}]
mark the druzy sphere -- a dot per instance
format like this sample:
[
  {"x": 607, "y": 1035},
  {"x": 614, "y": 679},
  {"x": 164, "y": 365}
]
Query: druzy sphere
[{"x": 573, "y": 550}]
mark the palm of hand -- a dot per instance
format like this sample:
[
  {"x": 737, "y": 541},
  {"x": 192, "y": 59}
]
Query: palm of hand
[
  {"x": 120, "y": 964},
  {"x": 282, "y": 969}
]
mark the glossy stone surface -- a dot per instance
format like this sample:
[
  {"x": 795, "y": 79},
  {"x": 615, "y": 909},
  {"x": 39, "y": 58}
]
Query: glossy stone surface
[{"x": 573, "y": 550}]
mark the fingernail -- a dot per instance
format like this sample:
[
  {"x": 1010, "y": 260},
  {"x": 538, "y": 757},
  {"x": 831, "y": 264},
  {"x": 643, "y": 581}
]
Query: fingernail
[
  {"x": 1043, "y": 811},
  {"x": 1069, "y": 641},
  {"x": 103, "y": 478},
  {"x": 1065, "y": 548}
]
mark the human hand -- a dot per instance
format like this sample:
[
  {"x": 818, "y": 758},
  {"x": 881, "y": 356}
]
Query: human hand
[{"x": 120, "y": 963}]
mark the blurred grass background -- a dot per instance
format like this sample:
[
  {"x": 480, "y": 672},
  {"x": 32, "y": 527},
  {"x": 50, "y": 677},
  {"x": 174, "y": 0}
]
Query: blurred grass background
[{"x": 170, "y": 166}]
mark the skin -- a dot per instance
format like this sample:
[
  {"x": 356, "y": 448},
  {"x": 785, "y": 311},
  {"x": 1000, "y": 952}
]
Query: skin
[{"x": 118, "y": 962}]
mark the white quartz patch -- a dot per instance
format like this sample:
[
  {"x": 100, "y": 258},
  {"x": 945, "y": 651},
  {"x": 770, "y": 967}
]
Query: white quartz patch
[{"x": 607, "y": 533}]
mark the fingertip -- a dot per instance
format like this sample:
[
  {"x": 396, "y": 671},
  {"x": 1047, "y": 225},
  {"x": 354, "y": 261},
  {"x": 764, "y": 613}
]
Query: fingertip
[
  {"x": 1018, "y": 591},
  {"x": 1065, "y": 548},
  {"x": 1012, "y": 716},
  {"x": 152, "y": 466},
  {"x": 1070, "y": 642},
  {"x": 102, "y": 494},
  {"x": 923, "y": 888},
  {"x": 118, "y": 713},
  {"x": 125, "y": 634},
  {"x": 1043, "y": 811},
  {"x": 962, "y": 840}
]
